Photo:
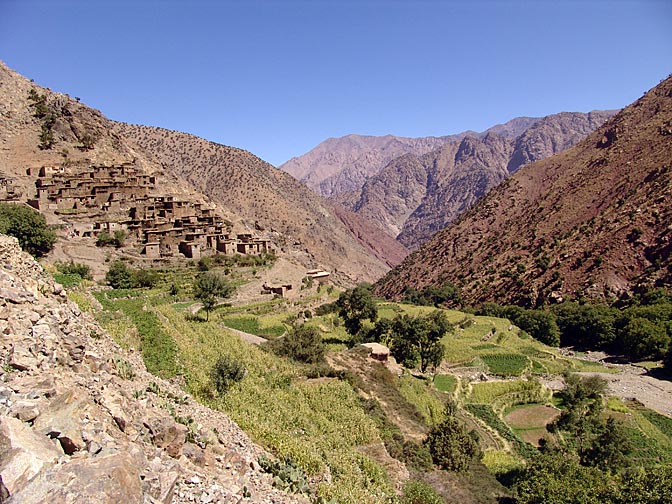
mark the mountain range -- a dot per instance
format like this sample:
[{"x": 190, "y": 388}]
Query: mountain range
[
  {"x": 434, "y": 179},
  {"x": 590, "y": 222}
]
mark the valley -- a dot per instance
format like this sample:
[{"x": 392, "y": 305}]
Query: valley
[{"x": 212, "y": 319}]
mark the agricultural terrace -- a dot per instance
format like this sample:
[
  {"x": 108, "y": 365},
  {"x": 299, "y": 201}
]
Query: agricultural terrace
[{"x": 315, "y": 415}]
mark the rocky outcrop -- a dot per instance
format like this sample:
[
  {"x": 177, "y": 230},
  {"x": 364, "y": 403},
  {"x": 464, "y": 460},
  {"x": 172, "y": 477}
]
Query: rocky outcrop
[{"x": 77, "y": 426}]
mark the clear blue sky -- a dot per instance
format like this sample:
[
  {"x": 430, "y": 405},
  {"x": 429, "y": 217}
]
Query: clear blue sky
[{"x": 277, "y": 77}]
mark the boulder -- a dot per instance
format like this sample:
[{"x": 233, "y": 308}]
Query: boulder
[
  {"x": 160, "y": 486},
  {"x": 167, "y": 434},
  {"x": 23, "y": 453},
  {"x": 60, "y": 421},
  {"x": 20, "y": 358},
  {"x": 110, "y": 479}
]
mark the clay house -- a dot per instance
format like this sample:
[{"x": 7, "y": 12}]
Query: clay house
[
  {"x": 190, "y": 249},
  {"x": 318, "y": 275},
  {"x": 377, "y": 351}
]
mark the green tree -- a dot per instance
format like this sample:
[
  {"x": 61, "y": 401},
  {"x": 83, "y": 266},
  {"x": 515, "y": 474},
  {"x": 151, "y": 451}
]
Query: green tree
[
  {"x": 225, "y": 373},
  {"x": 209, "y": 287},
  {"x": 120, "y": 276},
  {"x": 303, "y": 344},
  {"x": 642, "y": 338},
  {"x": 417, "y": 340},
  {"x": 419, "y": 492},
  {"x": 355, "y": 306},
  {"x": 610, "y": 447},
  {"x": 146, "y": 277},
  {"x": 451, "y": 446},
  {"x": 557, "y": 477},
  {"x": 651, "y": 485},
  {"x": 28, "y": 226},
  {"x": 586, "y": 326}
]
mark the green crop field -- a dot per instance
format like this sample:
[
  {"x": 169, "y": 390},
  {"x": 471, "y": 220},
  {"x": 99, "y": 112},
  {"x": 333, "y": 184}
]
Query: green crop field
[{"x": 321, "y": 423}]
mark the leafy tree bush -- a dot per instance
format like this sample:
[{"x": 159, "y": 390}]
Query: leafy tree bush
[
  {"x": 208, "y": 288},
  {"x": 303, "y": 344},
  {"x": 28, "y": 226},
  {"x": 416, "y": 340},
  {"x": 326, "y": 308},
  {"x": 419, "y": 492},
  {"x": 105, "y": 239},
  {"x": 586, "y": 326},
  {"x": 539, "y": 324},
  {"x": 146, "y": 278},
  {"x": 558, "y": 477},
  {"x": 120, "y": 276},
  {"x": 451, "y": 446},
  {"x": 205, "y": 263},
  {"x": 355, "y": 306},
  {"x": 225, "y": 373},
  {"x": 434, "y": 296},
  {"x": 643, "y": 339},
  {"x": 73, "y": 268}
]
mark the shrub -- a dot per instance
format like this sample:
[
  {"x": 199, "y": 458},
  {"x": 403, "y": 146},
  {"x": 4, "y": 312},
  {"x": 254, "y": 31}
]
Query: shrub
[
  {"x": 287, "y": 476},
  {"x": 303, "y": 344},
  {"x": 209, "y": 287},
  {"x": 120, "y": 276},
  {"x": 73, "y": 268},
  {"x": 28, "y": 226},
  {"x": 146, "y": 278},
  {"x": 225, "y": 373},
  {"x": 451, "y": 446},
  {"x": 205, "y": 263},
  {"x": 419, "y": 492},
  {"x": 105, "y": 239}
]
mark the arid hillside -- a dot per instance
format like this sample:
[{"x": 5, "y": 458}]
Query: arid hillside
[
  {"x": 42, "y": 128},
  {"x": 415, "y": 196},
  {"x": 344, "y": 164},
  {"x": 592, "y": 221},
  {"x": 271, "y": 200}
]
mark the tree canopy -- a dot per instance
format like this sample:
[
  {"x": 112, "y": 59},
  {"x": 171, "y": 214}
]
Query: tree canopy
[
  {"x": 28, "y": 226},
  {"x": 209, "y": 287},
  {"x": 355, "y": 306},
  {"x": 416, "y": 340}
]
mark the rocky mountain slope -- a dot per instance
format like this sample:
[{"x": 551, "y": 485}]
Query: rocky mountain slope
[
  {"x": 591, "y": 221},
  {"x": 415, "y": 196},
  {"x": 82, "y": 421},
  {"x": 344, "y": 164},
  {"x": 43, "y": 128},
  {"x": 272, "y": 200}
]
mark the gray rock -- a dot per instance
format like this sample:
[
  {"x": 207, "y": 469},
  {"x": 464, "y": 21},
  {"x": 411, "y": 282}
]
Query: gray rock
[
  {"x": 25, "y": 410},
  {"x": 17, "y": 296},
  {"x": 111, "y": 479},
  {"x": 20, "y": 358},
  {"x": 60, "y": 421},
  {"x": 23, "y": 453},
  {"x": 160, "y": 486},
  {"x": 166, "y": 433}
]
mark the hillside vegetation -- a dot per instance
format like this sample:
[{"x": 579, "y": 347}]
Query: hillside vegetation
[{"x": 351, "y": 426}]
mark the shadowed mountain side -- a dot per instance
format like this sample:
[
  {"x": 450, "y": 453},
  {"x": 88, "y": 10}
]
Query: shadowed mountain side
[
  {"x": 592, "y": 221},
  {"x": 266, "y": 198}
]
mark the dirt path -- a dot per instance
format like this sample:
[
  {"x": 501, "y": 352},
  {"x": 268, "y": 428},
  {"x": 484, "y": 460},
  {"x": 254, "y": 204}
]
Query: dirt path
[
  {"x": 250, "y": 338},
  {"x": 632, "y": 383}
]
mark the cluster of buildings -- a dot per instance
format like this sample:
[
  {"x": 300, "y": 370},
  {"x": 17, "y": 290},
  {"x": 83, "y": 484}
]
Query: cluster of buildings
[{"x": 121, "y": 198}]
